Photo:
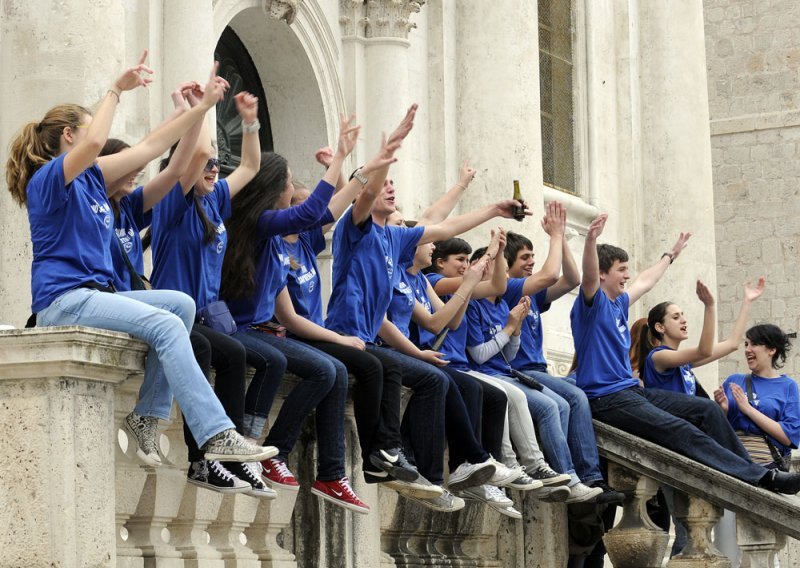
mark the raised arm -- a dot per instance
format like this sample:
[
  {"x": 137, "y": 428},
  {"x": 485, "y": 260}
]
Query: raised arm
[
  {"x": 553, "y": 223},
  {"x": 463, "y": 223},
  {"x": 451, "y": 313},
  {"x": 590, "y": 282},
  {"x": 443, "y": 206},
  {"x": 324, "y": 156},
  {"x": 650, "y": 277},
  {"x": 495, "y": 280},
  {"x": 362, "y": 209},
  {"x": 570, "y": 275},
  {"x": 85, "y": 152},
  {"x": 114, "y": 166},
  {"x": 669, "y": 359},
  {"x": 247, "y": 107},
  {"x": 734, "y": 340}
]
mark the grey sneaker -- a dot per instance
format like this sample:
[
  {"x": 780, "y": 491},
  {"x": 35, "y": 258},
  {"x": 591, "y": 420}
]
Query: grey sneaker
[
  {"x": 508, "y": 512},
  {"x": 444, "y": 503},
  {"x": 229, "y": 445},
  {"x": 470, "y": 475},
  {"x": 504, "y": 476},
  {"x": 524, "y": 482},
  {"x": 548, "y": 476},
  {"x": 489, "y": 494},
  {"x": 144, "y": 430},
  {"x": 420, "y": 488},
  {"x": 580, "y": 493},
  {"x": 554, "y": 494}
]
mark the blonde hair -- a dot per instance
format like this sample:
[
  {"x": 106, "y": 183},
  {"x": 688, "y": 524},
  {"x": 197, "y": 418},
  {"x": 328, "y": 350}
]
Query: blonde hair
[{"x": 36, "y": 144}]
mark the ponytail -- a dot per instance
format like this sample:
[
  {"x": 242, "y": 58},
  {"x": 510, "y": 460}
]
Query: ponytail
[{"x": 36, "y": 144}]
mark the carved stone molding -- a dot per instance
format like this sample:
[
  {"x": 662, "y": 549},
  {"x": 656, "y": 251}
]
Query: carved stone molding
[
  {"x": 699, "y": 517},
  {"x": 285, "y": 10},
  {"x": 378, "y": 18}
]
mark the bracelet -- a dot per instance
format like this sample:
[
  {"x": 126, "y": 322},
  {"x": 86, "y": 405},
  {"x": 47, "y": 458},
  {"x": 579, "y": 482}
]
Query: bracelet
[
  {"x": 113, "y": 92},
  {"x": 460, "y": 296},
  {"x": 670, "y": 255},
  {"x": 462, "y": 186},
  {"x": 254, "y": 126}
]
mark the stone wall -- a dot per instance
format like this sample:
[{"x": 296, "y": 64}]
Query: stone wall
[{"x": 753, "y": 55}]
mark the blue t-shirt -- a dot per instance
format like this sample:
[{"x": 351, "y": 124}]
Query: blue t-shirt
[
  {"x": 602, "y": 342},
  {"x": 71, "y": 230},
  {"x": 132, "y": 219},
  {"x": 402, "y": 303},
  {"x": 419, "y": 335},
  {"x": 776, "y": 398},
  {"x": 366, "y": 260},
  {"x": 182, "y": 259},
  {"x": 272, "y": 262},
  {"x": 454, "y": 346},
  {"x": 303, "y": 281},
  {"x": 676, "y": 379},
  {"x": 485, "y": 319},
  {"x": 531, "y": 349}
]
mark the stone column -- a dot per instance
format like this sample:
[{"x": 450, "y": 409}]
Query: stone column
[
  {"x": 497, "y": 105},
  {"x": 57, "y": 484},
  {"x": 184, "y": 58},
  {"x": 699, "y": 517},
  {"x": 759, "y": 545},
  {"x": 675, "y": 153},
  {"x": 636, "y": 542}
]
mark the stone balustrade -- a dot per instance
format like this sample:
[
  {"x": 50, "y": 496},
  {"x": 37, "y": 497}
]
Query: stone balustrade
[
  {"x": 638, "y": 467},
  {"x": 73, "y": 494}
]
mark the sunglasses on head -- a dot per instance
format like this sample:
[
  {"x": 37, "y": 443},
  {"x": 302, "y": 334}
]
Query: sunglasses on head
[{"x": 211, "y": 164}]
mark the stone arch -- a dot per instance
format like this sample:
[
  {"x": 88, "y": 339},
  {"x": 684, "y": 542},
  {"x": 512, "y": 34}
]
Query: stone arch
[{"x": 298, "y": 66}]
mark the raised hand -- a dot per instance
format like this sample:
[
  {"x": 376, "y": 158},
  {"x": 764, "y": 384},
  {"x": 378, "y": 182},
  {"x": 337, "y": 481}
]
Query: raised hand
[
  {"x": 215, "y": 89},
  {"x": 518, "y": 312},
  {"x": 133, "y": 77},
  {"x": 434, "y": 358},
  {"x": 704, "y": 294},
  {"x": 476, "y": 272},
  {"x": 383, "y": 158},
  {"x": 721, "y": 399},
  {"x": 466, "y": 174},
  {"x": 324, "y": 156},
  {"x": 741, "y": 400},
  {"x": 505, "y": 208},
  {"x": 246, "y": 106},
  {"x": 348, "y": 136},
  {"x": 405, "y": 125},
  {"x": 680, "y": 244},
  {"x": 501, "y": 240},
  {"x": 753, "y": 294},
  {"x": 178, "y": 96},
  {"x": 555, "y": 219},
  {"x": 596, "y": 228}
]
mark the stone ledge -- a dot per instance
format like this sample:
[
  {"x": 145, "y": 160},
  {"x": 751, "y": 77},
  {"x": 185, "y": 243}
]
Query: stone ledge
[
  {"x": 69, "y": 351},
  {"x": 778, "y": 512}
]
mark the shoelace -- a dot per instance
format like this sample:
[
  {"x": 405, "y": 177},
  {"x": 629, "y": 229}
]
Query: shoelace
[
  {"x": 252, "y": 471},
  {"x": 280, "y": 467},
  {"x": 148, "y": 427},
  {"x": 495, "y": 493},
  {"x": 344, "y": 483},
  {"x": 220, "y": 470}
]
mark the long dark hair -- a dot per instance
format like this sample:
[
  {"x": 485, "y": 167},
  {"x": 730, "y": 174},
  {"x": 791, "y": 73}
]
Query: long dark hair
[
  {"x": 114, "y": 146},
  {"x": 649, "y": 334},
  {"x": 261, "y": 194}
]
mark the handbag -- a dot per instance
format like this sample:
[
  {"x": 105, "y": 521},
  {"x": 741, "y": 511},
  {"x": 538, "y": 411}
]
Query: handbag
[
  {"x": 217, "y": 316},
  {"x": 757, "y": 444}
]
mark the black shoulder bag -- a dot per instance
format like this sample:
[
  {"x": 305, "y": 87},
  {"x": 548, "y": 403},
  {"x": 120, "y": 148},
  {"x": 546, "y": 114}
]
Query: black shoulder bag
[{"x": 778, "y": 459}]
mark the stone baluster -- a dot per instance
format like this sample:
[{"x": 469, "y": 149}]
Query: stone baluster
[
  {"x": 699, "y": 517},
  {"x": 759, "y": 544},
  {"x": 271, "y": 518},
  {"x": 636, "y": 542},
  {"x": 236, "y": 514},
  {"x": 198, "y": 509}
]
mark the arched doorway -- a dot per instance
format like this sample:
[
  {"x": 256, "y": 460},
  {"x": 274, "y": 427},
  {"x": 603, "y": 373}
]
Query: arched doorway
[{"x": 237, "y": 67}]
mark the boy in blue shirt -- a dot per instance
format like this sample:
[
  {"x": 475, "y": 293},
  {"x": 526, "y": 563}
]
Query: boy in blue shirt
[{"x": 599, "y": 320}]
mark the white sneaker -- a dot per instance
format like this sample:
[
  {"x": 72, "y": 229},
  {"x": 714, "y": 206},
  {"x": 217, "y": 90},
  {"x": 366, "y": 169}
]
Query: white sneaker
[
  {"x": 489, "y": 494},
  {"x": 509, "y": 512},
  {"x": 580, "y": 493},
  {"x": 444, "y": 503},
  {"x": 471, "y": 475},
  {"x": 504, "y": 475}
]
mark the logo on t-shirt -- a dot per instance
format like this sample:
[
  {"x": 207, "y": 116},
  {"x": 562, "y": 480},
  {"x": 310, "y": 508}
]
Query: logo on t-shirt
[
  {"x": 621, "y": 327},
  {"x": 389, "y": 265},
  {"x": 405, "y": 289}
]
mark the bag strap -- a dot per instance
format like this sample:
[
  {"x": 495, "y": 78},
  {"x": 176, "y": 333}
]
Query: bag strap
[
  {"x": 777, "y": 457},
  {"x": 137, "y": 283}
]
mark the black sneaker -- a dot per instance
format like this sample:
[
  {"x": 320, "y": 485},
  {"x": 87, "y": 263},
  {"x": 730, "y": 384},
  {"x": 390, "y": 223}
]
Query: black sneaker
[
  {"x": 548, "y": 476},
  {"x": 781, "y": 482},
  {"x": 213, "y": 475},
  {"x": 251, "y": 473},
  {"x": 394, "y": 463},
  {"x": 609, "y": 496}
]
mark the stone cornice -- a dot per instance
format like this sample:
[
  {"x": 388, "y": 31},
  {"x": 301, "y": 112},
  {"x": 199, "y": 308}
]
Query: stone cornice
[{"x": 375, "y": 19}]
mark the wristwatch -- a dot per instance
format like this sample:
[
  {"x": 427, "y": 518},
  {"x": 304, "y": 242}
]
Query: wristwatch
[
  {"x": 362, "y": 179},
  {"x": 670, "y": 255},
  {"x": 250, "y": 128}
]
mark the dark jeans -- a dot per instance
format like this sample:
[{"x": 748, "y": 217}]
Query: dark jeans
[
  {"x": 323, "y": 387},
  {"x": 692, "y": 426},
  {"x": 228, "y": 358},
  {"x": 462, "y": 419},
  {"x": 368, "y": 392},
  {"x": 424, "y": 418}
]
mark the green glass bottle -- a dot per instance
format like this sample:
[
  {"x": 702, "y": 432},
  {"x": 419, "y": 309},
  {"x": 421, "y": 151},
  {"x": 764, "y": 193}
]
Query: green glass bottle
[{"x": 519, "y": 212}]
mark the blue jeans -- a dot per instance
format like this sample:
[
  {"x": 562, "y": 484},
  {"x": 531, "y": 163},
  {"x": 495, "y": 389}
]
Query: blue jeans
[
  {"x": 580, "y": 432},
  {"x": 170, "y": 367},
  {"x": 550, "y": 414},
  {"x": 323, "y": 387},
  {"x": 270, "y": 366},
  {"x": 423, "y": 422},
  {"x": 692, "y": 426}
]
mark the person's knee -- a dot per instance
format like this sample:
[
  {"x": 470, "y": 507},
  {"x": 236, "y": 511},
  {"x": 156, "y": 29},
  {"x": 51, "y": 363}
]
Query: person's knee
[{"x": 543, "y": 408}]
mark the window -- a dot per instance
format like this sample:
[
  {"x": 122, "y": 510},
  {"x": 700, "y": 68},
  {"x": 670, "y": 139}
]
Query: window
[{"x": 555, "y": 86}]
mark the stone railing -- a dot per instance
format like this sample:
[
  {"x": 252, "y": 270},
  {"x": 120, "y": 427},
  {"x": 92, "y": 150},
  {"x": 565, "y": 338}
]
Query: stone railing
[
  {"x": 638, "y": 467},
  {"x": 71, "y": 495}
]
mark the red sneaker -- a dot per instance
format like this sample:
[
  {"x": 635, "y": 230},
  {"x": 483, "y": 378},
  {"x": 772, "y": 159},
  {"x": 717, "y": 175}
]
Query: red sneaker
[
  {"x": 278, "y": 476},
  {"x": 340, "y": 493}
]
